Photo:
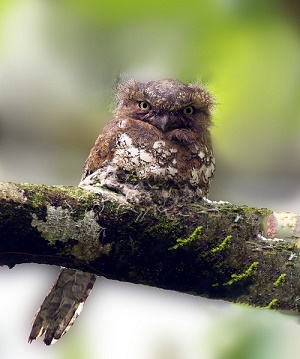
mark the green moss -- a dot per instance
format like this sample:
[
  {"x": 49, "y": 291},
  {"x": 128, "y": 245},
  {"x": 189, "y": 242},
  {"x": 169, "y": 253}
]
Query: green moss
[
  {"x": 248, "y": 272},
  {"x": 248, "y": 305},
  {"x": 163, "y": 228},
  {"x": 74, "y": 199},
  {"x": 224, "y": 245},
  {"x": 83, "y": 200},
  {"x": 272, "y": 304},
  {"x": 280, "y": 280},
  {"x": 132, "y": 178},
  {"x": 36, "y": 197},
  {"x": 180, "y": 242}
]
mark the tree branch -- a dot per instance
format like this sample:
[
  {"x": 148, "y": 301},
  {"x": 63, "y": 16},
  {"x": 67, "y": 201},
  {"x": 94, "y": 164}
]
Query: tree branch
[{"x": 211, "y": 249}]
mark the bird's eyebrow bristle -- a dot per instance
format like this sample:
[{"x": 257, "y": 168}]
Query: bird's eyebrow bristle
[{"x": 166, "y": 93}]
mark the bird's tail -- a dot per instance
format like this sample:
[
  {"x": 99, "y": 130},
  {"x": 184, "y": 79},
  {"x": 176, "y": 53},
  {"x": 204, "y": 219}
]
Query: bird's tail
[{"x": 62, "y": 305}]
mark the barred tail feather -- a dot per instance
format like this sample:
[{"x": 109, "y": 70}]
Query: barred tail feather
[{"x": 62, "y": 305}]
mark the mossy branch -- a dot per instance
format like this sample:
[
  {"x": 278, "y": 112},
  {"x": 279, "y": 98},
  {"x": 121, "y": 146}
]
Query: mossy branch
[{"x": 217, "y": 250}]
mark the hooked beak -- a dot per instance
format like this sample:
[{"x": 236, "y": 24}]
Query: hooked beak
[{"x": 164, "y": 122}]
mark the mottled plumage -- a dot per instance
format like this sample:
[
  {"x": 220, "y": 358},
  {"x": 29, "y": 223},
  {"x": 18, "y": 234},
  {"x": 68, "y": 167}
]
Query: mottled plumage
[
  {"x": 62, "y": 305},
  {"x": 157, "y": 150},
  {"x": 158, "y": 147}
]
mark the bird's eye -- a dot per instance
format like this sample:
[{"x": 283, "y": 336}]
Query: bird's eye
[
  {"x": 145, "y": 105},
  {"x": 188, "y": 110}
]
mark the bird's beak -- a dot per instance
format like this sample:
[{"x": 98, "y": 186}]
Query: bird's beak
[{"x": 162, "y": 122}]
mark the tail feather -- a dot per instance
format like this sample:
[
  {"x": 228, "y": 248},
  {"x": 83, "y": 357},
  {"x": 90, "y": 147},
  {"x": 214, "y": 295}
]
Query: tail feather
[{"x": 62, "y": 305}]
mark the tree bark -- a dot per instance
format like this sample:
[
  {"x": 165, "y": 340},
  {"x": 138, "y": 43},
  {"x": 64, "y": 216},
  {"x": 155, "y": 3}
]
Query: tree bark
[{"x": 211, "y": 249}]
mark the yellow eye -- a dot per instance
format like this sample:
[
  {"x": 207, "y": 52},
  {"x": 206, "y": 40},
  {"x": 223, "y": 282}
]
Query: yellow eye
[
  {"x": 145, "y": 105},
  {"x": 188, "y": 110}
]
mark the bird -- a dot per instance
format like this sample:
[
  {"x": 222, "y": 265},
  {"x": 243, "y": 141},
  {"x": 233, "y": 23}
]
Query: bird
[{"x": 157, "y": 150}]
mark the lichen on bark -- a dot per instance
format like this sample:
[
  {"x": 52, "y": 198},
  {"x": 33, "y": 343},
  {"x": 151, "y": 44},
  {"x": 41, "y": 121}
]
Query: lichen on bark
[{"x": 213, "y": 249}]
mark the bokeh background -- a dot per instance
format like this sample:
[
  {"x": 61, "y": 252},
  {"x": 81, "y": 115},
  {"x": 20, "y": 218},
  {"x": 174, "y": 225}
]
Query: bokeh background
[{"x": 58, "y": 64}]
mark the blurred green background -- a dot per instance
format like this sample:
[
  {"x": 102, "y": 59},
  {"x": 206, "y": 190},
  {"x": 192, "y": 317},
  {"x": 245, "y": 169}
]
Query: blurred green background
[{"x": 58, "y": 63}]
